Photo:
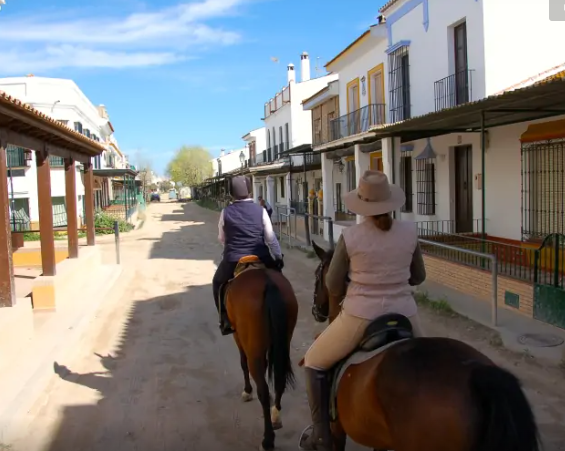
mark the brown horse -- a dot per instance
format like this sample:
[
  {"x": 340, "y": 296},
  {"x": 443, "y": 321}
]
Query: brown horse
[
  {"x": 262, "y": 309},
  {"x": 426, "y": 394}
]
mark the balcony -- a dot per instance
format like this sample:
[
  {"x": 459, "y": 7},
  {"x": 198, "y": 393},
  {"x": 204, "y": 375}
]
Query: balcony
[
  {"x": 308, "y": 159},
  {"x": 260, "y": 158},
  {"x": 454, "y": 90},
  {"x": 359, "y": 121},
  {"x": 15, "y": 157}
]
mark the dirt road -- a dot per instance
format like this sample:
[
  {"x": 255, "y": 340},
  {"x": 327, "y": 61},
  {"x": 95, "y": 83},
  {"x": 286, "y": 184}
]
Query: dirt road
[{"x": 154, "y": 373}]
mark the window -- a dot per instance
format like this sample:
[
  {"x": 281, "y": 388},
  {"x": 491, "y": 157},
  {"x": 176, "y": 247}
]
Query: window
[
  {"x": 282, "y": 182},
  {"x": 59, "y": 211},
  {"x": 281, "y": 141},
  {"x": 426, "y": 185},
  {"x": 338, "y": 200},
  {"x": 406, "y": 179},
  {"x": 286, "y": 134},
  {"x": 461, "y": 64},
  {"x": 78, "y": 127},
  {"x": 275, "y": 149},
  {"x": 63, "y": 121},
  {"x": 399, "y": 82},
  {"x": 351, "y": 175},
  {"x": 543, "y": 188},
  {"x": 317, "y": 131},
  {"x": 56, "y": 162}
]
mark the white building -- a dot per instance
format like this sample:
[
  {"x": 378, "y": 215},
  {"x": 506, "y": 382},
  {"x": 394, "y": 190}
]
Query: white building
[
  {"x": 64, "y": 101},
  {"x": 230, "y": 161},
  {"x": 286, "y": 180},
  {"x": 468, "y": 137}
]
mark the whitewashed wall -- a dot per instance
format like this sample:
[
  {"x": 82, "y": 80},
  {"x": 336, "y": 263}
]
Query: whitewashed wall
[
  {"x": 230, "y": 160},
  {"x": 431, "y": 51}
]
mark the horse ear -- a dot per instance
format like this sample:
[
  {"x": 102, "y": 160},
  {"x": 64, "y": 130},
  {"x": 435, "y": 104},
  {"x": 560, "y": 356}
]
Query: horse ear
[{"x": 319, "y": 251}]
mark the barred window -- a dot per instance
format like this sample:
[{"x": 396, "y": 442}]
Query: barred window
[
  {"x": 399, "y": 82},
  {"x": 406, "y": 177},
  {"x": 426, "y": 186},
  {"x": 543, "y": 191}
]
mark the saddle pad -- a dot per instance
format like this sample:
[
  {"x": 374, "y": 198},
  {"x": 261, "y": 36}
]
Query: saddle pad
[
  {"x": 354, "y": 359},
  {"x": 247, "y": 266}
]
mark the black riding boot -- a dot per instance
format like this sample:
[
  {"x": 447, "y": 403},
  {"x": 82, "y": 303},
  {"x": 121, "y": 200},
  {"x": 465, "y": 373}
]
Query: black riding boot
[
  {"x": 318, "y": 389},
  {"x": 219, "y": 300}
]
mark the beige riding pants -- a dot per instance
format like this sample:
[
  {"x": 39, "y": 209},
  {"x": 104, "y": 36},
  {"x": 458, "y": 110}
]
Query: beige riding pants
[{"x": 340, "y": 338}]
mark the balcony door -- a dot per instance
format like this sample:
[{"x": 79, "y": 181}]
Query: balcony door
[
  {"x": 377, "y": 94},
  {"x": 461, "y": 64},
  {"x": 353, "y": 101}
]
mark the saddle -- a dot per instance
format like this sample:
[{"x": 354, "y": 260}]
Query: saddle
[
  {"x": 247, "y": 263},
  {"x": 384, "y": 332}
]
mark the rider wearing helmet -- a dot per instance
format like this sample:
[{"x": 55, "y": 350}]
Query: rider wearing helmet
[{"x": 244, "y": 229}]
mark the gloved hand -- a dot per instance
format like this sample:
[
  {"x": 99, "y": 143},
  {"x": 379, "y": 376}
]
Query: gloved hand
[{"x": 280, "y": 262}]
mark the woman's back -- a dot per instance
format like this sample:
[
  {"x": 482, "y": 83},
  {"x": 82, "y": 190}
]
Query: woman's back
[{"x": 379, "y": 268}]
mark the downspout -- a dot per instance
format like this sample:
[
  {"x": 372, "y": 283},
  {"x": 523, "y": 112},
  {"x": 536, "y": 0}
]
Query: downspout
[
  {"x": 393, "y": 169},
  {"x": 483, "y": 184}
]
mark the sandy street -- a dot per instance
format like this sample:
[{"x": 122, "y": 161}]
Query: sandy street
[{"x": 154, "y": 373}]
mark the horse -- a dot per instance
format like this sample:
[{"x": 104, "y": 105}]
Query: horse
[
  {"x": 263, "y": 310},
  {"x": 401, "y": 393}
]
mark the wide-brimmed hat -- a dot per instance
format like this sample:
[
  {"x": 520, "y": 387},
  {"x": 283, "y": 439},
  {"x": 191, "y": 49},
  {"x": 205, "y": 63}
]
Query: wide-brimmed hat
[
  {"x": 240, "y": 187},
  {"x": 374, "y": 195}
]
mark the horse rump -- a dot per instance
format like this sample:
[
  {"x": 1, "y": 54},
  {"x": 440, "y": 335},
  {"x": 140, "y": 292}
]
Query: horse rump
[{"x": 506, "y": 421}]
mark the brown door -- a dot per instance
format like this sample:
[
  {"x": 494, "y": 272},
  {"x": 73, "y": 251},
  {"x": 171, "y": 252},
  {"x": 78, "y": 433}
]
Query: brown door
[
  {"x": 464, "y": 189},
  {"x": 461, "y": 64}
]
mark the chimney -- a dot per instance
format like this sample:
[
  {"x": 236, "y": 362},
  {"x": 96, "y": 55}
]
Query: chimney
[
  {"x": 305, "y": 66},
  {"x": 222, "y": 153},
  {"x": 291, "y": 74}
]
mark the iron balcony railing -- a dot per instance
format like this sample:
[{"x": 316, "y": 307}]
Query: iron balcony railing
[
  {"x": 358, "y": 121},
  {"x": 454, "y": 90},
  {"x": 260, "y": 158}
]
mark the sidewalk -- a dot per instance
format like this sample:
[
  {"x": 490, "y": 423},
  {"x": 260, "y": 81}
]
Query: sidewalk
[{"x": 511, "y": 325}]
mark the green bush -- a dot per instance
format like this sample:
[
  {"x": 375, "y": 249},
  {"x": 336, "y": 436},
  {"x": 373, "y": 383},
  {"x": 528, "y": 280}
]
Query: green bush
[{"x": 105, "y": 221}]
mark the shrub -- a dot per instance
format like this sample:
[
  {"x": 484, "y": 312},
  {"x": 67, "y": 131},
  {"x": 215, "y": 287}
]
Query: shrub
[{"x": 105, "y": 222}]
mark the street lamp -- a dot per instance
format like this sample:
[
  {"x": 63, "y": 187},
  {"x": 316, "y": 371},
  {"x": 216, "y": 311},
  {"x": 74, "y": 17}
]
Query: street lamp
[{"x": 242, "y": 158}]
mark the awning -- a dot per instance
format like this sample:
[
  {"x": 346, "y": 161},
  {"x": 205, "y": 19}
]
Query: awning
[
  {"x": 544, "y": 131},
  {"x": 540, "y": 100}
]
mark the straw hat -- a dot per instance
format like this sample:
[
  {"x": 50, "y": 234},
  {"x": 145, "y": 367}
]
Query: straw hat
[{"x": 374, "y": 195}]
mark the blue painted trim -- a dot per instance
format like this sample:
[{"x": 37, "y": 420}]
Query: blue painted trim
[
  {"x": 407, "y": 148},
  {"x": 397, "y": 46},
  {"x": 405, "y": 9}
]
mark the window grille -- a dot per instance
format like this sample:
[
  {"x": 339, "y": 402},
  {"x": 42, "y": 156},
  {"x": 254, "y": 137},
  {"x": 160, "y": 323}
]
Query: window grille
[
  {"x": 426, "y": 186},
  {"x": 543, "y": 191},
  {"x": 406, "y": 179},
  {"x": 399, "y": 82}
]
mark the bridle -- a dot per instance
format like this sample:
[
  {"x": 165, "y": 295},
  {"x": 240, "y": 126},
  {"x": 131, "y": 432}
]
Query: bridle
[{"x": 318, "y": 285}]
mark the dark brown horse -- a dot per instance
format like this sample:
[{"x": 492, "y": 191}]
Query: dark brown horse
[
  {"x": 427, "y": 394},
  {"x": 262, "y": 309}
]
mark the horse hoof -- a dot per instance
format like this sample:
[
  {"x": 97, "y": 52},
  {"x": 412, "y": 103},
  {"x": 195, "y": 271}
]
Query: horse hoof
[
  {"x": 246, "y": 397},
  {"x": 277, "y": 425}
]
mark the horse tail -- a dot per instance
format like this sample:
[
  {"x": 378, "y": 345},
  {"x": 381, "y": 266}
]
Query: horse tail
[
  {"x": 279, "y": 364},
  {"x": 505, "y": 418}
]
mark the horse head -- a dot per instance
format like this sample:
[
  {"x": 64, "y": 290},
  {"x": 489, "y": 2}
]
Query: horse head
[{"x": 321, "y": 304}]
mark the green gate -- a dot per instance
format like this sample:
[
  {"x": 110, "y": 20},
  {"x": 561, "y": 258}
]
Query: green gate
[{"x": 549, "y": 292}]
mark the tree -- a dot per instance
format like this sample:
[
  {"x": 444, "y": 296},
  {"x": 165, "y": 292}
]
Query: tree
[
  {"x": 191, "y": 165},
  {"x": 166, "y": 185}
]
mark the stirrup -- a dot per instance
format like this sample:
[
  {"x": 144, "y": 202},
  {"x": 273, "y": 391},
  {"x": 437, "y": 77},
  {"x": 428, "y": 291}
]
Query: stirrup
[{"x": 306, "y": 429}]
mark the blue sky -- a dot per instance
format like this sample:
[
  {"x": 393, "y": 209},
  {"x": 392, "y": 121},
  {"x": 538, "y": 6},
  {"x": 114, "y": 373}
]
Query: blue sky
[{"x": 173, "y": 73}]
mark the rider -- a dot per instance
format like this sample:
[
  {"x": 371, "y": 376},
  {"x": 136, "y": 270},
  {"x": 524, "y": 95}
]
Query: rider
[
  {"x": 382, "y": 259},
  {"x": 244, "y": 229}
]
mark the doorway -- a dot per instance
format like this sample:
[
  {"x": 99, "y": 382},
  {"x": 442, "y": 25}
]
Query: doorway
[
  {"x": 377, "y": 161},
  {"x": 461, "y": 64},
  {"x": 464, "y": 189}
]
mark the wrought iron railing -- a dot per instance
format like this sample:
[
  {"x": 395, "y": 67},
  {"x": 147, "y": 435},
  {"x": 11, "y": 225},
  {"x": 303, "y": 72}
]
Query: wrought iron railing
[
  {"x": 300, "y": 207},
  {"x": 358, "y": 121},
  {"x": 513, "y": 260},
  {"x": 454, "y": 90},
  {"x": 56, "y": 162},
  {"x": 450, "y": 226}
]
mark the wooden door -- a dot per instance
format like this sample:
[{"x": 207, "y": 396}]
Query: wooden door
[{"x": 464, "y": 189}]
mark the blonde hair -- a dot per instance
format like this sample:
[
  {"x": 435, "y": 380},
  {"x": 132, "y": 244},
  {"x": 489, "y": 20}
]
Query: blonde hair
[{"x": 383, "y": 222}]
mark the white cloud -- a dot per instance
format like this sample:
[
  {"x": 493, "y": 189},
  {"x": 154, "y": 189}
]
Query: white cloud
[{"x": 140, "y": 39}]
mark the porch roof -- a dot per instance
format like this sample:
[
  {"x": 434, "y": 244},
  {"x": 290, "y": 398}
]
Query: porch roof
[
  {"x": 540, "y": 100},
  {"x": 298, "y": 150},
  {"x": 114, "y": 172},
  {"x": 24, "y": 126}
]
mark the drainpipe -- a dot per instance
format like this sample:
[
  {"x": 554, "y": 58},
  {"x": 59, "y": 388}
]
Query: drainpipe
[
  {"x": 483, "y": 165},
  {"x": 393, "y": 170}
]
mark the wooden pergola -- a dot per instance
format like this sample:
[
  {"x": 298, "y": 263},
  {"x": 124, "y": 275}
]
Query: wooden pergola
[{"x": 23, "y": 126}]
